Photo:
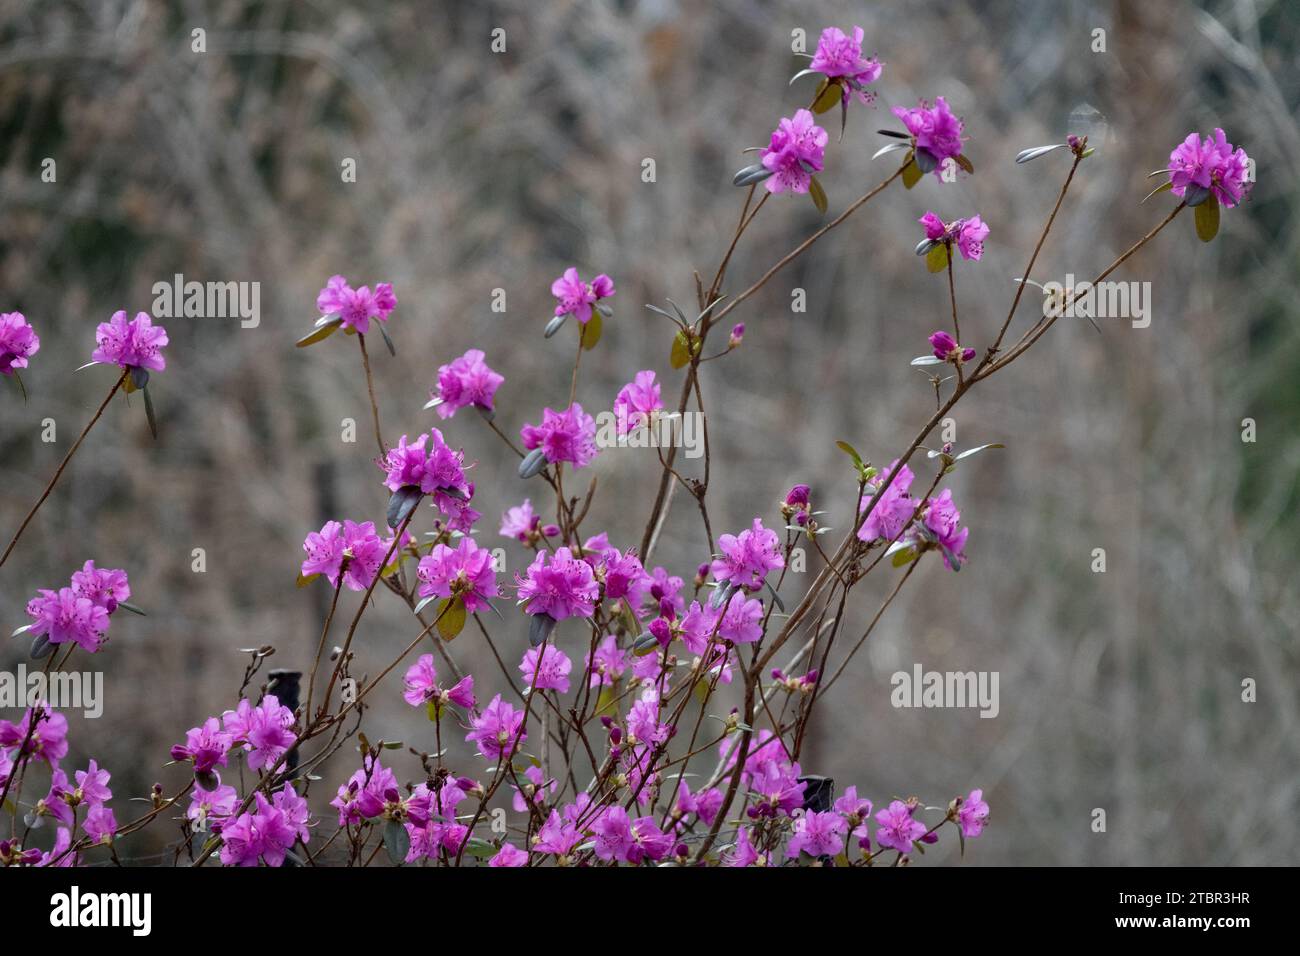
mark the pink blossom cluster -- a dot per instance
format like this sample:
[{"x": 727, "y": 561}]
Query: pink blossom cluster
[
  {"x": 356, "y": 307},
  {"x": 18, "y": 342},
  {"x": 80, "y": 612},
  {"x": 130, "y": 343}
]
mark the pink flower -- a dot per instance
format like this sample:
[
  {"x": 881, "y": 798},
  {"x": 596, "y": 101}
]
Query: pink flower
[
  {"x": 1213, "y": 165},
  {"x": 776, "y": 788},
  {"x": 131, "y": 344},
  {"x": 839, "y": 54},
  {"x": 971, "y": 234},
  {"x": 100, "y": 824},
  {"x": 498, "y": 729},
  {"x": 946, "y": 348},
  {"x": 266, "y": 831},
  {"x": 559, "y": 585},
  {"x": 106, "y": 587},
  {"x": 704, "y": 804},
  {"x": 215, "y": 805},
  {"x": 65, "y": 615},
  {"x": 265, "y": 730},
  {"x": 968, "y": 234},
  {"x": 207, "y": 746},
  {"x": 637, "y": 401},
  {"x": 973, "y": 814},
  {"x": 18, "y": 342},
  {"x": 941, "y": 519},
  {"x": 935, "y": 130},
  {"x": 552, "y": 673},
  {"x": 643, "y": 726},
  {"x": 613, "y": 833},
  {"x": 796, "y": 151},
  {"x": 622, "y": 574},
  {"x": 427, "y": 463},
  {"x": 935, "y": 228},
  {"x": 421, "y": 688},
  {"x": 557, "y": 836},
  {"x": 743, "y": 853},
  {"x": 509, "y": 855},
  {"x": 898, "y": 829},
  {"x": 817, "y": 834},
  {"x": 743, "y": 621},
  {"x": 520, "y": 522},
  {"x": 466, "y": 571},
  {"x": 569, "y": 435},
  {"x": 535, "y": 790},
  {"x": 360, "y": 544},
  {"x": 49, "y": 740},
  {"x": 608, "y": 663},
  {"x": 367, "y": 794},
  {"x": 577, "y": 297},
  {"x": 894, "y": 509},
  {"x": 92, "y": 785},
  {"x": 465, "y": 381},
  {"x": 356, "y": 307},
  {"x": 747, "y": 557}
]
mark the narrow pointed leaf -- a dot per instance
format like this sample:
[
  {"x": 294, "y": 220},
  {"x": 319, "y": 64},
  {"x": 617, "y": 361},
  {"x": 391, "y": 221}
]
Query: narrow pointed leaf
[
  {"x": 320, "y": 334},
  {"x": 888, "y": 148},
  {"x": 397, "y": 842},
  {"x": 818, "y": 195},
  {"x": 925, "y": 161},
  {"x": 132, "y": 608},
  {"x": 1207, "y": 218},
  {"x": 1029, "y": 155},
  {"x": 553, "y": 326},
  {"x": 926, "y": 360},
  {"x": 149, "y": 412},
  {"x": 1162, "y": 188},
  {"x": 590, "y": 333},
  {"x": 392, "y": 350}
]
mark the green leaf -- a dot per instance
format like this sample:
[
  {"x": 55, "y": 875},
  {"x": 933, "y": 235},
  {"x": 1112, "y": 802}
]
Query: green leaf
[
  {"x": 966, "y": 164},
  {"x": 480, "y": 848},
  {"x": 818, "y": 194},
  {"x": 320, "y": 334},
  {"x": 397, "y": 842},
  {"x": 977, "y": 449},
  {"x": 911, "y": 174},
  {"x": 589, "y": 334},
  {"x": 306, "y": 579},
  {"x": 451, "y": 617},
  {"x": 392, "y": 349},
  {"x": 936, "y": 260},
  {"x": 850, "y": 451},
  {"x": 1162, "y": 188},
  {"x": 605, "y": 703},
  {"x": 902, "y": 557},
  {"x": 1207, "y": 219},
  {"x": 828, "y": 95},
  {"x": 680, "y": 356},
  {"x": 431, "y": 708},
  {"x": 149, "y": 412}
]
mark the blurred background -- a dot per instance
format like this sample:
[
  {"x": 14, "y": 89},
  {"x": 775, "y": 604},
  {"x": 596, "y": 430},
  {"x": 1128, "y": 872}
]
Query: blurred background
[{"x": 478, "y": 171}]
